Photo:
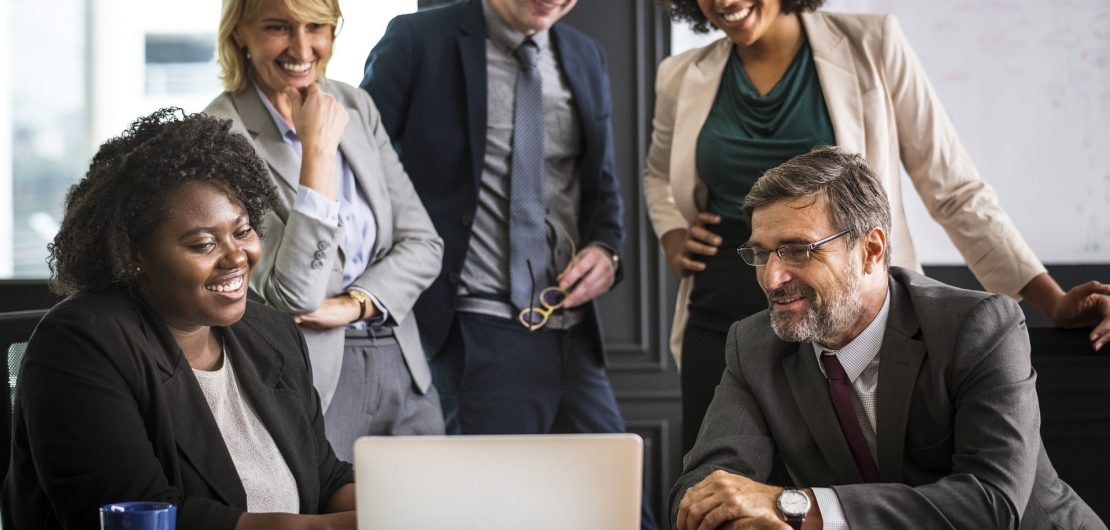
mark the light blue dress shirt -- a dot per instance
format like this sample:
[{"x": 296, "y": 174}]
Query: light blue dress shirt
[{"x": 351, "y": 211}]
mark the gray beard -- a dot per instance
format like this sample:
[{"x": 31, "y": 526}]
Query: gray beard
[{"x": 822, "y": 323}]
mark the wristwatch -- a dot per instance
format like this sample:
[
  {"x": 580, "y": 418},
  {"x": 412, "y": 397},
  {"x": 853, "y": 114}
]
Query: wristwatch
[
  {"x": 794, "y": 504},
  {"x": 616, "y": 261},
  {"x": 359, "y": 297}
]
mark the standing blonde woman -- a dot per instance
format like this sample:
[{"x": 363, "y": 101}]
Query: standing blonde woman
[
  {"x": 349, "y": 247},
  {"x": 782, "y": 80}
]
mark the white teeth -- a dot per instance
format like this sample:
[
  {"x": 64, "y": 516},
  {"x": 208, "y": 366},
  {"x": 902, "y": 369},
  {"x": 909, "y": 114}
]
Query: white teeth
[
  {"x": 301, "y": 67},
  {"x": 739, "y": 15},
  {"x": 232, "y": 285}
]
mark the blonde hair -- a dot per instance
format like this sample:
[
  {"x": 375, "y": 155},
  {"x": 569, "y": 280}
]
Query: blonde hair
[{"x": 234, "y": 65}]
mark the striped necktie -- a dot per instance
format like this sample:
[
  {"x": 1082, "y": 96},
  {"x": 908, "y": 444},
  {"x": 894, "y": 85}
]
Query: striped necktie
[{"x": 527, "y": 229}]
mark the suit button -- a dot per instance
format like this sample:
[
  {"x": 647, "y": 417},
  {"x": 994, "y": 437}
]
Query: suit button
[
  {"x": 453, "y": 277},
  {"x": 466, "y": 219},
  {"x": 320, "y": 254},
  {"x": 323, "y": 245},
  {"x": 317, "y": 264}
]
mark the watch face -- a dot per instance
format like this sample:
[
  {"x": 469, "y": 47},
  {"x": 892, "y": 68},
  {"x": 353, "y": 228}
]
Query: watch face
[{"x": 793, "y": 503}]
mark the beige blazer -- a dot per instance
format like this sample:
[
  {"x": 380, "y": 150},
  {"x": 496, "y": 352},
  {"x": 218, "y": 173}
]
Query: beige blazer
[
  {"x": 883, "y": 107},
  {"x": 303, "y": 257}
]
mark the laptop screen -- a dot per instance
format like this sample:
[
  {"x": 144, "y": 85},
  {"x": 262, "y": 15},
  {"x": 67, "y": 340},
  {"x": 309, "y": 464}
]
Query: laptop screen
[{"x": 580, "y": 481}]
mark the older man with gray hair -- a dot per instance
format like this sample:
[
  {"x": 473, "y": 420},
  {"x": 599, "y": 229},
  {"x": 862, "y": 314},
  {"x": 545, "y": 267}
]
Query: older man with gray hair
[{"x": 893, "y": 400}]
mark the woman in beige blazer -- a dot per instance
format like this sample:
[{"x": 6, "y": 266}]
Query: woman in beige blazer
[{"x": 879, "y": 103}]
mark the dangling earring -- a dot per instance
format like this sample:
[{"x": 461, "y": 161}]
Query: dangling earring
[{"x": 247, "y": 53}]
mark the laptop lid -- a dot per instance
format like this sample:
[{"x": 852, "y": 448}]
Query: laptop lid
[{"x": 580, "y": 481}]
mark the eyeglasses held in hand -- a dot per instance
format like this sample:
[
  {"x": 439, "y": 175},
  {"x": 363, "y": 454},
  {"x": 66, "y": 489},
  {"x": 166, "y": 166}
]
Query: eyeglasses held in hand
[
  {"x": 789, "y": 254},
  {"x": 551, "y": 298}
]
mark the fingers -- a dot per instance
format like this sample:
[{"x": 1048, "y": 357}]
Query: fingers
[
  {"x": 317, "y": 116},
  {"x": 702, "y": 241},
  {"x": 1090, "y": 288},
  {"x": 682, "y": 266},
  {"x": 332, "y": 313},
  {"x": 590, "y": 275},
  {"x": 706, "y": 218},
  {"x": 1100, "y": 336},
  {"x": 706, "y": 506}
]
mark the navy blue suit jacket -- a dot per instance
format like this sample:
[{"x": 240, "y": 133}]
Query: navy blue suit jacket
[{"x": 428, "y": 77}]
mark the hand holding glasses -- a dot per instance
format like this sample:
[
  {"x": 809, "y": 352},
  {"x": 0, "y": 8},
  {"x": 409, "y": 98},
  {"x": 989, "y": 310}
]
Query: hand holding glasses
[
  {"x": 789, "y": 254},
  {"x": 551, "y": 298}
]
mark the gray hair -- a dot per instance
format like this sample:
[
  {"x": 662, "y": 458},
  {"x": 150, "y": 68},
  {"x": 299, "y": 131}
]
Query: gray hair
[{"x": 856, "y": 199}]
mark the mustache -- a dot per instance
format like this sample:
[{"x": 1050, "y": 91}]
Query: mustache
[{"x": 790, "y": 290}]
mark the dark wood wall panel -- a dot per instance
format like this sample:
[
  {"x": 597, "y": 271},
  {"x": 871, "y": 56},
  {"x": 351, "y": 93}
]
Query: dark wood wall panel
[{"x": 637, "y": 314}]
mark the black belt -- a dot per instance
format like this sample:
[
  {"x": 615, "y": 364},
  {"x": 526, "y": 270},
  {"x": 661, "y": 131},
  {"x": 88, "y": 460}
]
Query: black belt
[
  {"x": 560, "y": 319},
  {"x": 377, "y": 332}
]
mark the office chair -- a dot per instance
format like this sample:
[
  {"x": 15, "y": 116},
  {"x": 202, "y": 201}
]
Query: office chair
[{"x": 15, "y": 328}]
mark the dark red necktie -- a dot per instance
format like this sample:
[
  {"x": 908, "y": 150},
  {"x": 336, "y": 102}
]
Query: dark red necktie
[{"x": 840, "y": 391}]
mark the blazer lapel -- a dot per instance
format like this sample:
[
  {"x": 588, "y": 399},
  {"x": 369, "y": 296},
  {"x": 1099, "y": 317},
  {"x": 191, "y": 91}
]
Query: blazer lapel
[
  {"x": 836, "y": 70},
  {"x": 366, "y": 167},
  {"x": 193, "y": 425},
  {"x": 901, "y": 356},
  {"x": 578, "y": 79},
  {"x": 258, "y": 375},
  {"x": 472, "y": 55},
  {"x": 811, "y": 393},
  {"x": 272, "y": 148},
  {"x": 694, "y": 101}
]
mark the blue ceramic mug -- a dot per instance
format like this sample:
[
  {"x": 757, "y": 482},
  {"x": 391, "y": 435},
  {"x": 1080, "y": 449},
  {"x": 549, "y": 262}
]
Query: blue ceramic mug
[{"x": 140, "y": 515}]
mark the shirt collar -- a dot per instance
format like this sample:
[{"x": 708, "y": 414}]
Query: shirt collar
[
  {"x": 857, "y": 354},
  {"x": 506, "y": 36},
  {"x": 283, "y": 128}
]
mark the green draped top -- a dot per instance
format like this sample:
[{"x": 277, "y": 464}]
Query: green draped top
[{"x": 747, "y": 133}]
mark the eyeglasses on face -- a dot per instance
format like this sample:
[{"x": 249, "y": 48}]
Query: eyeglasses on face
[{"x": 789, "y": 254}]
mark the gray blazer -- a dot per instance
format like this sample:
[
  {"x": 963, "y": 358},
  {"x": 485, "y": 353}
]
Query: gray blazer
[
  {"x": 958, "y": 422},
  {"x": 302, "y": 262}
]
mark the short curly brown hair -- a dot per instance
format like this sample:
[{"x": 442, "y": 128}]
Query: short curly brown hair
[
  {"x": 113, "y": 210},
  {"x": 689, "y": 11}
]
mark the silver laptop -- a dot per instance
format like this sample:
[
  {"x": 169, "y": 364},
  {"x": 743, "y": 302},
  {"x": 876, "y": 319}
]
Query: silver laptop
[{"x": 557, "y": 482}]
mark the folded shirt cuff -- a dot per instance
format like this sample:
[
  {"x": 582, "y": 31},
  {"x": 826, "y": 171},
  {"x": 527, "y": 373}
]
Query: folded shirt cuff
[
  {"x": 832, "y": 513},
  {"x": 315, "y": 205}
]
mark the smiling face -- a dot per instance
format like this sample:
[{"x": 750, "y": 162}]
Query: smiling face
[
  {"x": 196, "y": 265},
  {"x": 821, "y": 300},
  {"x": 532, "y": 16},
  {"x": 744, "y": 21},
  {"x": 284, "y": 52}
]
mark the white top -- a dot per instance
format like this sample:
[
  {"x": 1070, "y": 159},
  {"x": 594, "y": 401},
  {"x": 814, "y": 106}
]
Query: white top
[{"x": 266, "y": 478}]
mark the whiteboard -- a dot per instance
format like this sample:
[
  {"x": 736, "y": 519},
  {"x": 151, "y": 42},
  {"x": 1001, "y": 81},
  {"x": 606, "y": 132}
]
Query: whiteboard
[{"x": 1027, "y": 86}]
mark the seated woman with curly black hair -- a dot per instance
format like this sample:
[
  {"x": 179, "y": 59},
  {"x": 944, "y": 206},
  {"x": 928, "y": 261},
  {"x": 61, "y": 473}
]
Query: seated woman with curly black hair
[{"x": 156, "y": 379}]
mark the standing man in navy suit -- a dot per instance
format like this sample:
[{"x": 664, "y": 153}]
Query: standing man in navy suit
[
  {"x": 445, "y": 79},
  {"x": 449, "y": 84}
]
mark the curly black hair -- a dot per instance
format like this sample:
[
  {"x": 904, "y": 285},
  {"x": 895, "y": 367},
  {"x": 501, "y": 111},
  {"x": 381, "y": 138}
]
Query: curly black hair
[
  {"x": 688, "y": 11},
  {"x": 114, "y": 209}
]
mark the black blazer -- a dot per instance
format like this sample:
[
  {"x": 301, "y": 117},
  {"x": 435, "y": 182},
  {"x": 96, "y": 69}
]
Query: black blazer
[
  {"x": 427, "y": 76},
  {"x": 107, "y": 409}
]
